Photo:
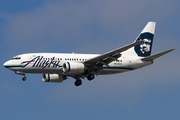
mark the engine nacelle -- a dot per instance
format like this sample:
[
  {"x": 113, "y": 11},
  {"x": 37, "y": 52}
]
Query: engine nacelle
[
  {"x": 73, "y": 68},
  {"x": 53, "y": 78}
]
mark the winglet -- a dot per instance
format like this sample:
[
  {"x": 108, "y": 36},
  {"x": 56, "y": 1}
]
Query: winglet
[{"x": 152, "y": 57}]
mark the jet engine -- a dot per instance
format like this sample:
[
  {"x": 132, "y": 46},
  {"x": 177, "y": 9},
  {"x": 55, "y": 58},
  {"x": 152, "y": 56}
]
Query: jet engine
[
  {"x": 73, "y": 67},
  {"x": 53, "y": 78}
]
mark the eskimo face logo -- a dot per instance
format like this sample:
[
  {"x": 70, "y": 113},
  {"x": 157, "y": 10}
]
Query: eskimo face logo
[
  {"x": 144, "y": 49},
  {"x": 145, "y": 46}
]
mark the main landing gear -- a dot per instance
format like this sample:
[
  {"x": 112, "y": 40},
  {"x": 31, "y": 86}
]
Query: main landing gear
[
  {"x": 78, "y": 81},
  {"x": 90, "y": 77}
]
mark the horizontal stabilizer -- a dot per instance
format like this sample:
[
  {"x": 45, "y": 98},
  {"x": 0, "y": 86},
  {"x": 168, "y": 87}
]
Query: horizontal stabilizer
[{"x": 152, "y": 57}]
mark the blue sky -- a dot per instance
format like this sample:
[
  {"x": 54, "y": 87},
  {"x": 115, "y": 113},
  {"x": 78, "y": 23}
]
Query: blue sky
[{"x": 90, "y": 26}]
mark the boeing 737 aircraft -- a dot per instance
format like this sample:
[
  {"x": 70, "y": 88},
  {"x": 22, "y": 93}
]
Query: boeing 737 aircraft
[{"x": 56, "y": 67}]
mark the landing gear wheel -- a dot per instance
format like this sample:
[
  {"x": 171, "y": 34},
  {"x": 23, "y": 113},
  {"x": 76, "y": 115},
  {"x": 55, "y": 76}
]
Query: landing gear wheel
[
  {"x": 78, "y": 82},
  {"x": 24, "y": 78},
  {"x": 90, "y": 77}
]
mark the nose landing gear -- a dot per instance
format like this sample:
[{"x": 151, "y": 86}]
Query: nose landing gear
[
  {"x": 21, "y": 73},
  {"x": 24, "y": 78}
]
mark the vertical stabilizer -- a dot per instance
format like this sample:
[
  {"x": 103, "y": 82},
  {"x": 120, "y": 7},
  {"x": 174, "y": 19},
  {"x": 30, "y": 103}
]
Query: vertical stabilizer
[{"x": 144, "y": 49}]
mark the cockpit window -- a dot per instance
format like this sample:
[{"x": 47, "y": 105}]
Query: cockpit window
[{"x": 16, "y": 58}]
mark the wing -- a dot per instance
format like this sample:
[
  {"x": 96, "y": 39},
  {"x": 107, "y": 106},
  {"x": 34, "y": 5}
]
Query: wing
[
  {"x": 108, "y": 57},
  {"x": 152, "y": 57}
]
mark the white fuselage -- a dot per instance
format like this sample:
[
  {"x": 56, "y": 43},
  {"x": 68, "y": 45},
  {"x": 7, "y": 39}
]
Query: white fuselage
[{"x": 52, "y": 63}]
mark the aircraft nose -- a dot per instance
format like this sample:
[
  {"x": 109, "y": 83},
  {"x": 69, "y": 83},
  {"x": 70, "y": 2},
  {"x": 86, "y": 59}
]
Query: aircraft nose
[{"x": 6, "y": 64}]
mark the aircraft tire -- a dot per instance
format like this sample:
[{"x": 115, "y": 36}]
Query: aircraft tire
[
  {"x": 78, "y": 82},
  {"x": 90, "y": 77},
  {"x": 24, "y": 78}
]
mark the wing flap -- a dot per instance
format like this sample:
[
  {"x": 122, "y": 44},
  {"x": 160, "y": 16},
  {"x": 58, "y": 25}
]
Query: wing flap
[{"x": 152, "y": 57}]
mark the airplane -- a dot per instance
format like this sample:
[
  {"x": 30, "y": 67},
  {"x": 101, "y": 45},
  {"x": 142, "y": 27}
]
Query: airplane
[{"x": 56, "y": 67}]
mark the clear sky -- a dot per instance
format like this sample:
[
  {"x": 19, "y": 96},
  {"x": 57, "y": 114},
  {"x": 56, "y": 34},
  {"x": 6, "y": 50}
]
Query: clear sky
[{"x": 90, "y": 26}]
